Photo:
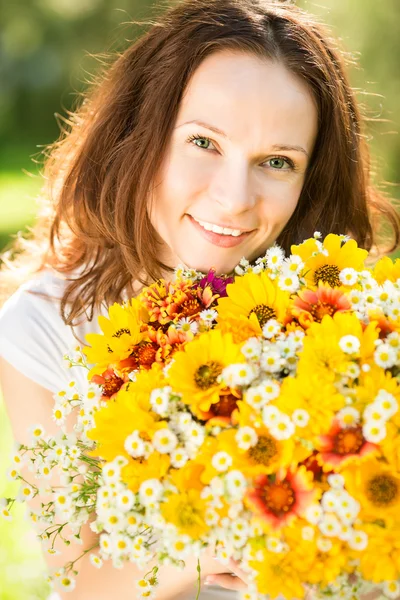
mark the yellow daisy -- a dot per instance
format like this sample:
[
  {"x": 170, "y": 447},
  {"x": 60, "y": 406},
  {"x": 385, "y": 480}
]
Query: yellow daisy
[
  {"x": 187, "y": 511},
  {"x": 195, "y": 371},
  {"x": 121, "y": 332},
  {"x": 374, "y": 484},
  {"x": 382, "y": 560},
  {"x": 323, "y": 267},
  {"x": 136, "y": 471},
  {"x": 386, "y": 268},
  {"x": 254, "y": 298}
]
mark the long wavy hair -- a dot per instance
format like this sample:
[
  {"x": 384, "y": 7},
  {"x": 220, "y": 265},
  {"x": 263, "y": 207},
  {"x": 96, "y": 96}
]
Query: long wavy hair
[{"x": 98, "y": 176}]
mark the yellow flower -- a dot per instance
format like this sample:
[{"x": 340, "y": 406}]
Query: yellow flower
[
  {"x": 370, "y": 384},
  {"x": 381, "y": 562},
  {"x": 186, "y": 511},
  {"x": 322, "y": 353},
  {"x": 326, "y": 267},
  {"x": 385, "y": 268},
  {"x": 136, "y": 471},
  {"x": 390, "y": 446},
  {"x": 121, "y": 332},
  {"x": 377, "y": 487},
  {"x": 276, "y": 576},
  {"x": 313, "y": 394},
  {"x": 254, "y": 299},
  {"x": 196, "y": 369}
]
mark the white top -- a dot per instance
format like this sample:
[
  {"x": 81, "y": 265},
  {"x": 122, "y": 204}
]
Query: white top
[{"x": 34, "y": 339}]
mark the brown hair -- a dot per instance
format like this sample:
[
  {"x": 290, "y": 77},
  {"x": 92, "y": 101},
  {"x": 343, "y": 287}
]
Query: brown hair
[{"x": 99, "y": 174}]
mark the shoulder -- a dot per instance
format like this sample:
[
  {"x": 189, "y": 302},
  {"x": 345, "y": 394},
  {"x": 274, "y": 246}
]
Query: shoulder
[{"x": 33, "y": 335}]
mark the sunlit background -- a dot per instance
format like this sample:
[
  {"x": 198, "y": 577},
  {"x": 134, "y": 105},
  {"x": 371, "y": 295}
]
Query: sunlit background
[{"x": 46, "y": 49}]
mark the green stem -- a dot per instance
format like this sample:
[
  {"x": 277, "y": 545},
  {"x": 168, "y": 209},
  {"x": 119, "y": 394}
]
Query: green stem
[{"x": 198, "y": 579}]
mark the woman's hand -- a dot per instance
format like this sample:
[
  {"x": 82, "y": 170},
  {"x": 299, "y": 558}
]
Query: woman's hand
[{"x": 237, "y": 579}]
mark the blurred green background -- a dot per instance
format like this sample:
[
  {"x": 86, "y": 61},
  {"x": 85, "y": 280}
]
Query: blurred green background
[{"x": 46, "y": 49}]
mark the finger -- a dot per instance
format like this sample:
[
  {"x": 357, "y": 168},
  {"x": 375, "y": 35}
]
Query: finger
[
  {"x": 234, "y": 567},
  {"x": 229, "y": 582}
]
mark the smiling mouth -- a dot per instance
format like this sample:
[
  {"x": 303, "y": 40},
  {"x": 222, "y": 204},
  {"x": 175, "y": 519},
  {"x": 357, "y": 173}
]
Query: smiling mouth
[{"x": 221, "y": 229}]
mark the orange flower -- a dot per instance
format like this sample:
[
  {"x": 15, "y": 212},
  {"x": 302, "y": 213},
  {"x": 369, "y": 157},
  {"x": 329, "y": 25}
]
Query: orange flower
[
  {"x": 168, "y": 342},
  {"x": 278, "y": 499},
  {"x": 311, "y": 306},
  {"x": 342, "y": 445},
  {"x": 170, "y": 301}
]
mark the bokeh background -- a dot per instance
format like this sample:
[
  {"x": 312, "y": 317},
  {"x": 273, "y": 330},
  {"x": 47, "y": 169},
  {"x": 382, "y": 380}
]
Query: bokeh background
[{"x": 47, "y": 50}]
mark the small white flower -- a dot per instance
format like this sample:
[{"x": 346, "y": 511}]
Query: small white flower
[
  {"x": 300, "y": 417},
  {"x": 314, "y": 513},
  {"x": 221, "y": 461},
  {"x": 358, "y": 540},
  {"x": 385, "y": 356},
  {"x": 105, "y": 543},
  {"x": 96, "y": 561},
  {"x": 330, "y": 501},
  {"x": 271, "y": 328},
  {"x": 289, "y": 282},
  {"x": 391, "y": 589},
  {"x": 13, "y": 474},
  {"x": 125, "y": 500},
  {"x": 59, "y": 414},
  {"x": 270, "y": 415},
  {"x": 235, "y": 483},
  {"x": 373, "y": 413},
  {"x": 159, "y": 400},
  {"x": 324, "y": 545},
  {"x": 208, "y": 315},
  {"x": 25, "y": 493},
  {"x": 349, "y": 344},
  {"x": 274, "y": 544},
  {"x": 111, "y": 473},
  {"x": 329, "y": 525},
  {"x": 150, "y": 491},
  {"x": 37, "y": 432},
  {"x": 179, "y": 457},
  {"x": 164, "y": 441},
  {"x": 238, "y": 374},
  {"x": 135, "y": 445},
  {"x": 336, "y": 480},
  {"x": 246, "y": 437},
  {"x": 348, "y": 276},
  {"x": 274, "y": 257},
  {"x": 186, "y": 325},
  {"x": 283, "y": 428},
  {"x": 387, "y": 403},
  {"x": 374, "y": 432},
  {"x": 121, "y": 544},
  {"x": 348, "y": 416},
  {"x": 4, "y": 512},
  {"x": 352, "y": 370},
  {"x": 252, "y": 348},
  {"x": 67, "y": 583},
  {"x": 365, "y": 368},
  {"x": 271, "y": 361},
  {"x": 345, "y": 532},
  {"x": 62, "y": 501}
]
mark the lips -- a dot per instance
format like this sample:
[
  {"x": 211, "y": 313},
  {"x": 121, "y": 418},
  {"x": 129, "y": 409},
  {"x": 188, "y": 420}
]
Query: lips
[{"x": 218, "y": 239}]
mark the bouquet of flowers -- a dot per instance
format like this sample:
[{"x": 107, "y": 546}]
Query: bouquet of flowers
[{"x": 256, "y": 415}]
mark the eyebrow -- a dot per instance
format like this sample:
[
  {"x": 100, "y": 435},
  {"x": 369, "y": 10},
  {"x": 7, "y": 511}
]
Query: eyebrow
[{"x": 284, "y": 147}]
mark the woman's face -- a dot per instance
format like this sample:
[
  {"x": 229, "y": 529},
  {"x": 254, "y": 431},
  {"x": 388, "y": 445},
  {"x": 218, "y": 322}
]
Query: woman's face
[{"x": 235, "y": 164}]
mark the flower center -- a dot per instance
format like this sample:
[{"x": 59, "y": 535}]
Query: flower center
[
  {"x": 225, "y": 406},
  {"x": 382, "y": 490},
  {"x": 146, "y": 354},
  {"x": 190, "y": 307},
  {"x": 318, "y": 311},
  {"x": 328, "y": 274},
  {"x": 263, "y": 313},
  {"x": 279, "y": 497},
  {"x": 264, "y": 450},
  {"x": 112, "y": 384},
  {"x": 206, "y": 375},
  {"x": 348, "y": 441},
  {"x": 188, "y": 516}
]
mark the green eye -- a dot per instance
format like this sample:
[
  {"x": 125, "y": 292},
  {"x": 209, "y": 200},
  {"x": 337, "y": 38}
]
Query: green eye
[
  {"x": 278, "y": 163},
  {"x": 200, "y": 141}
]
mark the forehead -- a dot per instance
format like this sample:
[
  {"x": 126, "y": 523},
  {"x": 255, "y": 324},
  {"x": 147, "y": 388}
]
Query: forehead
[{"x": 251, "y": 96}]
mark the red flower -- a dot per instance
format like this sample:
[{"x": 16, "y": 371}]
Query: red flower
[
  {"x": 278, "y": 499},
  {"x": 111, "y": 383},
  {"x": 342, "y": 444},
  {"x": 310, "y": 306}
]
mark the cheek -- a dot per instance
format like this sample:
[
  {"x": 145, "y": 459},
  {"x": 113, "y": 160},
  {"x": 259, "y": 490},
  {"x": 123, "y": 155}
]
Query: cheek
[
  {"x": 281, "y": 200},
  {"x": 180, "y": 183}
]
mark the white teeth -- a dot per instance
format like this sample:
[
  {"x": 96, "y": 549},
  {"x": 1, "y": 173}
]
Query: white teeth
[{"x": 220, "y": 230}]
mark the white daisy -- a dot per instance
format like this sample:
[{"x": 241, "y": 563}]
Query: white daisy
[
  {"x": 271, "y": 361},
  {"x": 235, "y": 483},
  {"x": 391, "y": 589},
  {"x": 349, "y": 344},
  {"x": 59, "y": 414},
  {"x": 324, "y": 545},
  {"x": 246, "y": 437},
  {"x": 387, "y": 403},
  {"x": 251, "y": 349},
  {"x": 238, "y": 374},
  {"x": 25, "y": 493},
  {"x": 164, "y": 441},
  {"x": 374, "y": 432},
  {"x": 160, "y": 399},
  {"x": 274, "y": 257},
  {"x": 271, "y": 328},
  {"x": 67, "y": 583},
  {"x": 96, "y": 561},
  {"x": 135, "y": 445},
  {"x": 308, "y": 533},
  {"x": 348, "y": 276},
  {"x": 209, "y": 315},
  {"x": 283, "y": 428},
  {"x": 150, "y": 491},
  {"x": 314, "y": 513},
  {"x": 374, "y": 413},
  {"x": 111, "y": 473},
  {"x": 336, "y": 480},
  {"x": 186, "y": 325},
  {"x": 105, "y": 543},
  {"x": 358, "y": 540},
  {"x": 221, "y": 461},
  {"x": 289, "y": 282},
  {"x": 300, "y": 417},
  {"x": 385, "y": 356},
  {"x": 270, "y": 415},
  {"x": 348, "y": 416},
  {"x": 125, "y": 501},
  {"x": 179, "y": 457}
]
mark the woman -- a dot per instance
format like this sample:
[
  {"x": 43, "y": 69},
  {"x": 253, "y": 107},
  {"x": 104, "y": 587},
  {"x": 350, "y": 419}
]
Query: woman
[{"x": 226, "y": 127}]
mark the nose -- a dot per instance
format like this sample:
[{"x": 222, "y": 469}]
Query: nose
[{"x": 232, "y": 188}]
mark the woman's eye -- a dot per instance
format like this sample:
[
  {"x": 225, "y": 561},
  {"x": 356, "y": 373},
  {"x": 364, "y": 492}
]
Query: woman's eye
[
  {"x": 280, "y": 163},
  {"x": 200, "y": 141}
]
